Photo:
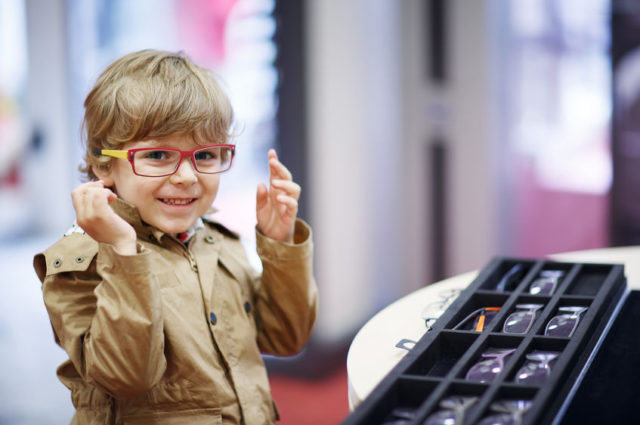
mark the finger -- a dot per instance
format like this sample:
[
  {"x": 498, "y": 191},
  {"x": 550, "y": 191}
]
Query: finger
[
  {"x": 85, "y": 188},
  {"x": 262, "y": 196},
  {"x": 79, "y": 196},
  {"x": 94, "y": 202},
  {"x": 277, "y": 168},
  {"x": 287, "y": 186},
  {"x": 98, "y": 184},
  {"x": 93, "y": 183},
  {"x": 111, "y": 196},
  {"x": 290, "y": 203},
  {"x": 93, "y": 209},
  {"x": 107, "y": 192},
  {"x": 99, "y": 199}
]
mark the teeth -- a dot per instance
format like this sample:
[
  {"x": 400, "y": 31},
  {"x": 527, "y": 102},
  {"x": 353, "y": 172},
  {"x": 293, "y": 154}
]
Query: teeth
[{"x": 177, "y": 201}]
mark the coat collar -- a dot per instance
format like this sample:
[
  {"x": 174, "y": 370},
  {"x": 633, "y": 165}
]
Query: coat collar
[
  {"x": 130, "y": 214},
  {"x": 145, "y": 231}
]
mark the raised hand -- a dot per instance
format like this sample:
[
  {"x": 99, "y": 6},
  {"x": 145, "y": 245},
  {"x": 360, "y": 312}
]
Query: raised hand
[
  {"x": 95, "y": 216},
  {"x": 277, "y": 206}
]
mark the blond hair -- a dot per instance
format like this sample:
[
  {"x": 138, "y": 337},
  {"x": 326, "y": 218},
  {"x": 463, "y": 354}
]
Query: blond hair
[{"x": 152, "y": 94}]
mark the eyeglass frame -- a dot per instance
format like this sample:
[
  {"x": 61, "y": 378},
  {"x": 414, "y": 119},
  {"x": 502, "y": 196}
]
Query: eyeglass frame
[
  {"x": 447, "y": 297},
  {"x": 402, "y": 414},
  {"x": 478, "y": 312},
  {"x": 538, "y": 359},
  {"x": 507, "y": 280},
  {"x": 129, "y": 155},
  {"x": 491, "y": 354},
  {"x": 458, "y": 405},
  {"x": 551, "y": 276},
  {"x": 567, "y": 312},
  {"x": 514, "y": 410},
  {"x": 531, "y": 309}
]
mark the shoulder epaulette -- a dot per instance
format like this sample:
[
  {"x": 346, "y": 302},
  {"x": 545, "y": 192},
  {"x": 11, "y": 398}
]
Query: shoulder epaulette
[
  {"x": 221, "y": 228},
  {"x": 73, "y": 252}
]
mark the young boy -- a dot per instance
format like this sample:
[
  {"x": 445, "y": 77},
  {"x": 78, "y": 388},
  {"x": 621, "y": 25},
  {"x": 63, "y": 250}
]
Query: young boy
[{"x": 156, "y": 306}]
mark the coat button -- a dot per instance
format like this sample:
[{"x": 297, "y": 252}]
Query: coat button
[
  {"x": 210, "y": 239},
  {"x": 212, "y": 318},
  {"x": 247, "y": 307}
]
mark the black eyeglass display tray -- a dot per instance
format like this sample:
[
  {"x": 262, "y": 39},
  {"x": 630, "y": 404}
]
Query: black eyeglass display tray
[{"x": 435, "y": 368}]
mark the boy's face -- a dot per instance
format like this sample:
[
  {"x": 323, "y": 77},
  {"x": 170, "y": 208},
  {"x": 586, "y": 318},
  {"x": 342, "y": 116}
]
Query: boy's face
[{"x": 170, "y": 203}]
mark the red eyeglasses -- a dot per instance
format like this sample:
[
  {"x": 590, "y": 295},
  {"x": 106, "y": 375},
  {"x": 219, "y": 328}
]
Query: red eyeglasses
[{"x": 160, "y": 162}]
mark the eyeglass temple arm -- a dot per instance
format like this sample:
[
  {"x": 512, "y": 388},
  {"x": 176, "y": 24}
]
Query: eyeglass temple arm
[
  {"x": 112, "y": 153},
  {"x": 480, "y": 312},
  {"x": 483, "y": 316},
  {"x": 508, "y": 277},
  {"x": 480, "y": 325}
]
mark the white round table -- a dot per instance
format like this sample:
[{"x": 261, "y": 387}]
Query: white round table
[{"x": 373, "y": 352}]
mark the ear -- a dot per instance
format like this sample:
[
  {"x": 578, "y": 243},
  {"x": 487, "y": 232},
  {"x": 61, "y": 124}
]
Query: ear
[{"x": 103, "y": 174}]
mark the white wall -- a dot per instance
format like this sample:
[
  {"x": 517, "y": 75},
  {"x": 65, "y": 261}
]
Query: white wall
[
  {"x": 355, "y": 135},
  {"x": 421, "y": 120},
  {"x": 474, "y": 208},
  {"x": 51, "y": 170},
  {"x": 372, "y": 115}
]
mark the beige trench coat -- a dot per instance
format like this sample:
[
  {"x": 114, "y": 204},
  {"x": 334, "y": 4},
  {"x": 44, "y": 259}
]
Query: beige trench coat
[{"x": 173, "y": 335}]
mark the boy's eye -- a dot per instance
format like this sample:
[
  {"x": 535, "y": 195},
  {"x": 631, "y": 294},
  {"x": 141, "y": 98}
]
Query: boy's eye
[
  {"x": 207, "y": 154},
  {"x": 156, "y": 155}
]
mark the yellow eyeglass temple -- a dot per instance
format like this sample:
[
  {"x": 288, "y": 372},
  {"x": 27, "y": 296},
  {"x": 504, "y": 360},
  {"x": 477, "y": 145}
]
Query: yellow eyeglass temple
[{"x": 113, "y": 153}]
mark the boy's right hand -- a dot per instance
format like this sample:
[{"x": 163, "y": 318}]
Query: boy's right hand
[{"x": 95, "y": 216}]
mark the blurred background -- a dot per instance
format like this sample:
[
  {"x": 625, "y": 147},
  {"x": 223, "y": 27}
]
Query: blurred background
[{"x": 429, "y": 136}]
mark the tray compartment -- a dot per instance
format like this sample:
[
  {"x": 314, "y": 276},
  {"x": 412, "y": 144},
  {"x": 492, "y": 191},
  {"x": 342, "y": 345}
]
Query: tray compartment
[
  {"x": 563, "y": 303},
  {"x": 524, "y": 300},
  {"x": 476, "y": 302},
  {"x": 506, "y": 393},
  {"x": 589, "y": 280},
  {"x": 490, "y": 344},
  {"x": 540, "y": 285},
  {"x": 441, "y": 355},
  {"x": 405, "y": 397},
  {"x": 507, "y": 276},
  {"x": 538, "y": 344},
  {"x": 459, "y": 389}
]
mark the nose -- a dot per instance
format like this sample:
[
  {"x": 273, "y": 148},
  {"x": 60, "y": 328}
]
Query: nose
[{"x": 185, "y": 174}]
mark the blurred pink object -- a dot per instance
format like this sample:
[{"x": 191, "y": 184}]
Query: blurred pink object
[{"x": 202, "y": 25}]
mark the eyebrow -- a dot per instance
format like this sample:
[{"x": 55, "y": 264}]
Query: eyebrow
[{"x": 151, "y": 143}]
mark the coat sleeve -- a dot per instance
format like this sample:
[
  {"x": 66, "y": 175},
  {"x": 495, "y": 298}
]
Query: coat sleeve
[
  {"x": 286, "y": 295},
  {"x": 105, "y": 313}
]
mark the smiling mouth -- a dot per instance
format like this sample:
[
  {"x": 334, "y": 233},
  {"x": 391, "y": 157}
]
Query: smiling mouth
[{"x": 172, "y": 201}]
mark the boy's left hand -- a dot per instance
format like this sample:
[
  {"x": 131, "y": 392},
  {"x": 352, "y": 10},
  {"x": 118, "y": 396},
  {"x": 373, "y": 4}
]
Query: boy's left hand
[{"x": 277, "y": 207}]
